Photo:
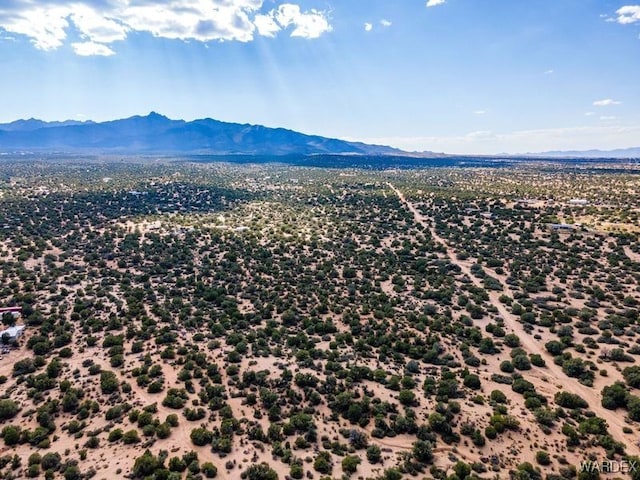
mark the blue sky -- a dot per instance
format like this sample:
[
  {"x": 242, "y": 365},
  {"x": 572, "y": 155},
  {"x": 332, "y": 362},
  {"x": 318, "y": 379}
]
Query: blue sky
[{"x": 459, "y": 76}]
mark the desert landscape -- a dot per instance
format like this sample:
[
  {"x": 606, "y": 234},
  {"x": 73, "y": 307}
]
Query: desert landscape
[
  {"x": 320, "y": 240},
  {"x": 210, "y": 320}
]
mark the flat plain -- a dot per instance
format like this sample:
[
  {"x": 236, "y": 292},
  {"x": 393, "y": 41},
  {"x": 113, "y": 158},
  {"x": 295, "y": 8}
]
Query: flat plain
[{"x": 262, "y": 321}]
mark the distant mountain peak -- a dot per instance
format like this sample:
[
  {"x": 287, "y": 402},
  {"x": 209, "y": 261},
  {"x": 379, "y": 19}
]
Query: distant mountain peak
[
  {"x": 31, "y": 124},
  {"x": 632, "y": 152},
  {"x": 154, "y": 114},
  {"x": 156, "y": 133}
]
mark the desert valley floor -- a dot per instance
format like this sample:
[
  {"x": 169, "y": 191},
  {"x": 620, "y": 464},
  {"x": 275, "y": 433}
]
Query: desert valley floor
[{"x": 215, "y": 320}]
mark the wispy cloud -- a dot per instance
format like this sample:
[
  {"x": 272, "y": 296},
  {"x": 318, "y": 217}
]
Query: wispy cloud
[
  {"x": 87, "y": 49},
  {"x": 628, "y": 14},
  {"x": 607, "y": 118},
  {"x": 267, "y": 25},
  {"x": 606, "y": 102},
  {"x": 435, "y": 3},
  {"x": 311, "y": 24},
  {"x": 549, "y": 72},
  {"x": 480, "y": 112},
  {"x": 384, "y": 23},
  {"x": 102, "y": 23}
]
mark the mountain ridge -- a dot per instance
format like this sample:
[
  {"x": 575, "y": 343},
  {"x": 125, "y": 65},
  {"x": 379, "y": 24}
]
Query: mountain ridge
[
  {"x": 631, "y": 152},
  {"x": 30, "y": 124},
  {"x": 156, "y": 133}
]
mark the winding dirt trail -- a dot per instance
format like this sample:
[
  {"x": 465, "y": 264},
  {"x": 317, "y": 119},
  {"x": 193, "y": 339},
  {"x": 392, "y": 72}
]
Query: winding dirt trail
[{"x": 554, "y": 372}]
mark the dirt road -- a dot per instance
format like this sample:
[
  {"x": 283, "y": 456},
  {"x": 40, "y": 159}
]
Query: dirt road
[{"x": 554, "y": 373}]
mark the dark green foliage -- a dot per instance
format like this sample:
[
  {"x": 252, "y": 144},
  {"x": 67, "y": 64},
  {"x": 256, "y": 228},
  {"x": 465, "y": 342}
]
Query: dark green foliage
[
  {"x": 422, "y": 451},
  {"x": 472, "y": 381},
  {"x": 92, "y": 442},
  {"x": 570, "y": 400},
  {"x": 520, "y": 385},
  {"x": 177, "y": 464},
  {"x": 537, "y": 360},
  {"x": 130, "y": 436},
  {"x": 498, "y": 396},
  {"x": 407, "y": 397},
  {"x": 145, "y": 465},
  {"x": 72, "y": 472},
  {"x": 209, "y": 470},
  {"x": 260, "y": 471},
  {"x": 8, "y": 409},
  {"x": 511, "y": 340},
  {"x": 176, "y": 398},
  {"x": 526, "y": 471},
  {"x": 201, "y": 436},
  {"x": 50, "y": 461},
  {"x": 108, "y": 382},
  {"x": 506, "y": 366},
  {"x": 462, "y": 470},
  {"x": 521, "y": 362},
  {"x": 23, "y": 367},
  {"x": 115, "y": 435},
  {"x": 545, "y": 416},
  {"x": 554, "y": 347},
  {"x": 163, "y": 430},
  {"x": 632, "y": 376},
  {"x": 172, "y": 420},
  {"x": 350, "y": 464},
  {"x": 373, "y": 453},
  {"x": 593, "y": 426},
  {"x": 614, "y": 396},
  {"x": 323, "y": 463},
  {"x": 11, "y": 435}
]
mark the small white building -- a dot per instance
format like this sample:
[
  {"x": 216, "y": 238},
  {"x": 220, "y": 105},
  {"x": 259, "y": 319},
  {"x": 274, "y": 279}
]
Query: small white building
[{"x": 12, "y": 334}]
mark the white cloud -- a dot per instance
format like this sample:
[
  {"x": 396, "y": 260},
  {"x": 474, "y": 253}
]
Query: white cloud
[
  {"x": 266, "y": 25},
  {"x": 480, "y": 112},
  {"x": 44, "y": 25},
  {"x": 589, "y": 114},
  {"x": 606, "y": 102},
  {"x": 200, "y": 20},
  {"x": 97, "y": 27},
  {"x": 435, "y": 3},
  {"x": 607, "y": 118},
  {"x": 549, "y": 72},
  {"x": 311, "y": 24},
  {"x": 87, "y": 49},
  {"x": 103, "y": 22},
  {"x": 384, "y": 23},
  {"x": 628, "y": 14}
]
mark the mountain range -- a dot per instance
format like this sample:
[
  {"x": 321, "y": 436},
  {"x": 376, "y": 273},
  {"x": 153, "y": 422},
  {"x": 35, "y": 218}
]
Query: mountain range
[
  {"x": 633, "y": 152},
  {"x": 156, "y": 133}
]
